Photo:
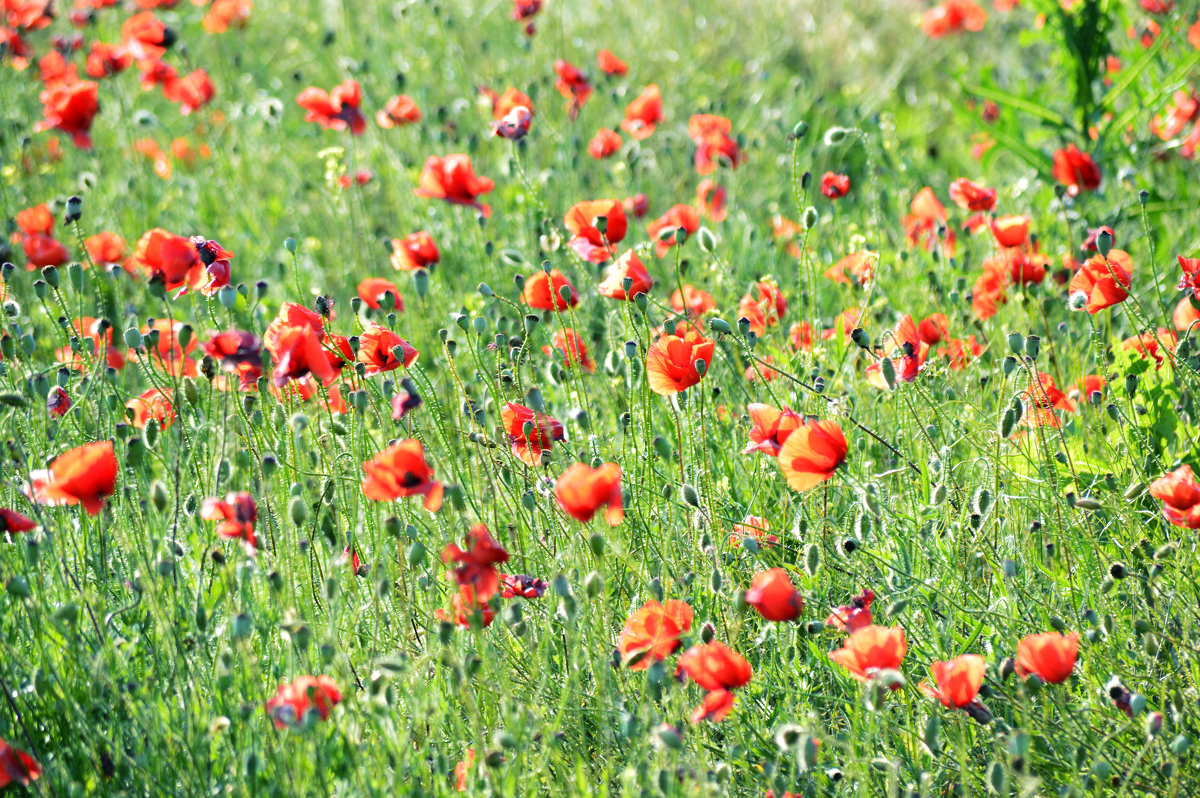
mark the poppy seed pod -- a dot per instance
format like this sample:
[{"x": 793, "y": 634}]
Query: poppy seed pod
[
  {"x": 1104, "y": 242},
  {"x": 1015, "y": 343},
  {"x": 485, "y": 290},
  {"x": 74, "y": 209},
  {"x": 721, "y": 326}
]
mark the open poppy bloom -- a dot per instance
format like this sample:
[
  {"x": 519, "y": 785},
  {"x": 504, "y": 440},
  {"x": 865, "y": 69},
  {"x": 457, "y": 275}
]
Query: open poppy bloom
[
  {"x": 755, "y": 527},
  {"x": 679, "y": 216},
  {"x": 609, "y": 64},
  {"x": 770, "y": 428},
  {"x": 719, "y": 670},
  {"x": 297, "y": 341},
  {"x": 990, "y": 289},
  {"x": 1102, "y": 282},
  {"x": 774, "y": 596},
  {"x": 372, "y": 290},
  {"x": 12, "y": 522},
  {"x": 453, "y": 179},
  {"x": 239, "y": 353},
  {"x": 475, "y": 567},
  {"x": 927, "y": 218},
  {"x": 545, "y": 291},
  {"x": 414, "y": 251},
  {"x": 1076, "y": 170},
  {"x": 17, "y": 767},
  {"x": 522, "y": 586},
  {"x": 692, "y": 301},
  {"x": 514, "y": 125},
  {"x": 638, "y": 205},
  {"x": 85, "y": 475},
  {"x": 504, "y": 104},
  {"x": 573, "y": 85},
  {"x": 463, "y": 768},
  {"x": 529, "y": 432},
  {"x": 628, "y": 267},
  {"x": 105, "y": 248},
  {"x": 105, "y": 60},
  {"x": 307, "y": 694},
  {"x": 933, "y": 329},
  {"x": 1151, "y": 344},
  {"x": 812, "y": 454},
  {"x": 573, "y": 349},
  {"x": 466, "y": 613},
  {"x": 835, "y": 186},
  {"x": 907, "y": 352},
  {"x": 957, "y": 682},
  {"x": 644, "y": 113},
  {"x": 582, "y": 490},
  {"x": 1180, "y": 496},
  {"x": 70, "y": 107},
  {"x": 191, "y": 92},
  {"x": 853, "y": 616},
  {"x": 714, "y": 145},
  {"x": 171, "y": 258},
  {"x": 400, "y": 470},
  {"x": 870, "y": 650},
  {"x": 96, "y": 337},
  {"x": 710, "y": 200},
  {"x": 335, "y": 110},
  {"x": 953, "y": 16},
  {"x": 606, "y": 142},
  {"x": 652, "y": 632},
  {"x": 1185, "y": 314},
  {"x": 860, "y": 267},
  {"x": 216, "y": 260},
  {"x": 960, "y": 353},
  {"x": 225, "y": 13},
  {"x": 399, "y": 111},
  {"x": 594, "y": 239},
  {"x": 236, "y": 515},
  {"x": 671, "y": 362},
  {"x": 154, "y": 404},
  {"x": 763, "y": 307},
  {"x": 1050, "y": 656},
  {"x": 971, "y": 196},
  {"x": 377, "y": 350}
]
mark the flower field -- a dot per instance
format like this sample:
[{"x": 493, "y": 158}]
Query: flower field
[{"x": 571, "y": 398}]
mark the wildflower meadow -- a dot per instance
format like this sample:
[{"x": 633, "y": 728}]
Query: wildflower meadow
[{"x": 569, "y": 397}]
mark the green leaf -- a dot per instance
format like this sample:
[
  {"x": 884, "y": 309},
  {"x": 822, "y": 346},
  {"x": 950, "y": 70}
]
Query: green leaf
[{"x": 1016, "y": 102}]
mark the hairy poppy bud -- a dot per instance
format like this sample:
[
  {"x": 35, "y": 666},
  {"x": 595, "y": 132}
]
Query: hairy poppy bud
[
  {"x": 799, "y": 130},
  {"x": 690, "y": 496},
  {"x": 835, "y": 136},
  {"x": 421, "y": 283},
  {"x": 708, "y": 241},
  {"x": 74, "y": 209},
  {"x": 811, "y": 217},
  {"x": 298, "y": 510},
  {"x": 1104, "y": 242},
  {"x": 860, "y": 338}
]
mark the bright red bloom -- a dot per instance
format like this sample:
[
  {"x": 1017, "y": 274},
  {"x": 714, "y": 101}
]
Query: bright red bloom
[
  {"x": 399, "y": 111},
  {"x": 335, "y": 110},
  {"x": 1190, "y": 273},
  {"x": 529, "y": 432},
  {"x": 1050, "y": 655},
  {"x": 644, "y": 113},
  {"x": 957, "y": 681},
  {"x": 466, "y": 763},
  {"x": 671, "y": 362},
  {"x": 960, "y": 352},
  {"x": 105, "y": 249},
  {"x": 990, "y": 289},
  {"x": 638, "y": 205},
  {"x": 224, "y": 13},
  {"x": 145, "y": 36},
  {"x": 972, "y": 196},
  {"x": 628, "y": 266},
  {"x": 697, "y": 302},
  {"x": 400, "y": 470},
  {"x": 583, "y": 221},
  {"x": 573, "y": 85},
  {"x": 453, "y": 179},
  {"x": 17, "y": 767},
  {"x": 475, "y": 571},
  {"x": 713, "y": 143},
  {"x": 606, "y": 142},
  {"x": 812, "y": 453},
  {"x": 860, "y": 265},
  {"x": 191, "y": 92},
  {"x": 36, "y": 219},
  {"x": 718, "y": 669},
  {"x": 609, "y": 64},
  {"x": 652, "y": 632},
  {"x": 1010, "y": 231},
  {"x": 1102, "y": 282},
  {"x": 42, "y": 251},
  {"x": 317, "y": 694},
  {"x": 524, "y": 10},
  {"x": 774, "y": 596},
  {"x": 771, "y": 428},
  {"x": 238, "y": 353},
  {"x": 835, "y": 186},
  {"x": 871, "y": 649},
  {"x": 84, "y": 475},
  {"x": 933, "y": 328},
  {"x": 1150, "y": 343},
  {"x": 953, "y": 16},
  {"x": 1185, "y": 314},
  {"x": 544, "y": 291},
  {"x": 853, "y": 616},
  {"x": 504, "y": 104},
  {"x": 169, "y": 257},
  {"x": 572, "y": 348},
  {"x": 581, "y": 491},
  {"x": 414, "y": 251},
  {"x": 236, "y": 513},
  {"x": 927, "y": 217},
  {"x": 684, "y": 216},
  {"x": 70, "y": 107},
  {"x": 715, "y": 707},
  {"x": 710, "y": 200},
  {"x": 800, "y": 335},
  {"x": 154, "y": 404},
  {"x": 1180, "y": 496},
  {"x": 514, "y": 125},
  {"x": 907, "y": 352},
  {"x": 372, "y": 290},
  {"x": 376, "y": 350},
  {"x": 12, "y": 522},
  {"x": 1076, "y": 170}
]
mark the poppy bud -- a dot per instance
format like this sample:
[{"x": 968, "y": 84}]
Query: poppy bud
[
  {"x": 421, "y": 283},
  {"x": 1131, "y": 384},
  {"x": 859, "y": 336},
  {"x": 690, "y": 496},
  {"x": 641, "y": 301},
  {"x": 850, "y": 545},
  {"x": 298, "y": 510},
  {"x": 933, "y": 729},
  {"x": 805, "y": 180},
  {"x": 889, "y": 373},
  {"x": 708, "y": 242},
  {"x": 564, "y": 293},
  {"x": 744, "y": 326},
  {"x": 835, "y": 136},
  {"x": 799, "y": 130},
  {"x": 1154, "y": 723},
  {"x": 74, "y": 209},
  {"x": 681, "y": 235},
  {"x": 75, "y": 274},
  {"x": 811, "y": 217}
]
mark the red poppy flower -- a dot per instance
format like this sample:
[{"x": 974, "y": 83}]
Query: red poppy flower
[
  {"x": 1076, "y": 170},
  {"x": 771, "y": 428},
  {"x": 1150, "y": 343},
  {"x": 628, "y": 266},
  {"x": 522, "y": 586},
  {"x": 1010, "y": 231},
  {"x": 972, "y": 196},
  {"x": 755, "y": 527},
  {"x": 171, "y": 258},
  {"x": 37, "y": 219},
  {"x": 414, "y": 251},
  {"x": 582, "y": 490},
  {"x": 1190, "y": 273},
  {"x": 236, "y": 513},
  {"x": 238, "y": 353},
  {"x": 1026, "y": 268},
  {"x": 42, "y": 251},
  {"x": 529, "y": 432},
  {"x": 652, "y": 632},
  {"x": 17, "y": 767},
  {"x": 718, "y": 669},
  {"x": 812, "y": 453},
  {"x": 571, "y": 349},
  {"x": 399, "y": 111},
  {"x": 853, "y": 616},
  {"x": 774, "y": 596},
  {"x": 1185, "y": 314},
  {"x": 1102, "y": 282},
  {"x": 70, "y": 108},
  {"x": 191, "y": 92},
  {"x": 372, "y": 290},
  {"x": 400, "y": 470},
  {"x": 710, "y": 200},
  {"x": 573, "y": 85},
  {"x": 589, "y": 242},
  {"x": 953, "y": 16},
  {"x": 12, "y": 522},
  {"x": 475, "y": 571},
  {"x": 225, "y": 13},
  {"x": 989, "y": 291},
  {"x": 713, "y": 143},
  {"x": 609, "y": 64},
  {"x": 927, "y": 217},
  {"x": 145, "y": 36},
  {"x": 524, "y": 10},
  {"x": 164, "y": 351},
  {"x": 376, "y": 350},
  {"x": 105, "y": 249},
  {"x": 957, "y": 682},
  {"x": 466, "y": 613},
  {"x": 217, "y": 266},
  {"x": 1180, "y": 496},
  {"x": 697, "y": 302},
  {"x": 763, "y": 308},
  {"x": 907, "y": 352},
  {"x": 644, "y": 113},
  {"x": 844, "y": 323},
  {"x": 84, "y": 475},
  {"x": 154, "y": 404},
  {"x": 871, "y": 649},
  {"x": 335, "y": 110},
  {"x": 291, "y": 702},
  {"x": 960, "y": 352},
  {"x": 800, "y": 335},
  {"x": 453, "y": 179},
  {"x": 606, "y": 142},
  {"x": 1050, "y": 655},
  {"x": 933, "y": 328},
  {"x": 861, "y": 268},
  {"x": 466, "y": 763},
  {"x": 671, "y": 362},
  {"x": 637, "y": 205},
  {"x": 504, "y": 104},
  {"x": 514, "y": 126},
  {"x": 544, "y": 291},
  {"x": 835, "y": 186},
  {"x": 684, "y": 216}
]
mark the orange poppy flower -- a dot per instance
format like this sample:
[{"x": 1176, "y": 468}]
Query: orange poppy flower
[
  {"x": 1185, "y": 314},
  {"x": 400, "y": 470},
  {"x": 38, "y": 219},
  {"x": 652, "y": 632},
  {"x": 154, "y": 404},
  {"x": 1101, "y": 282},
  {"x": 715, "y": 707},
  {"x": 718, "y": 669},
  {"x": 573, "y": 85},
  {"x": 957, "y": 682},
  {"x": 511, "y": 99},
  {"x": 192, "y": 91},
  {"x": 1076, "y": 170},
  {"x": 843, "y": 324},
  {"x": 236, "y": 513},
  {"x": 953, "y": 16},
  {"x": 414, "y": 251},
  {"x": 573, "y": 349},
  {"x": 671, "y": 362},
  {"x": 697, "y": 302},
  {"x": 933, "y": 328},
  {"x": 853, "y": 616},
  {"x": 990, "y": 289},
  {"x": 296, "y": 340},
  {"x": 1050, "y": 655},
  {"x": 860, "y": 265},
  {"x": 475, "y": 571},
  {"x": 291, "y": 702},
  {"x": 376, "y": 350},
  {"x": 467, "y": 762},
  {"x": 628, "y": 266},
  {"x": 684, "y": 216},
  {"x": 335, "y": 110},
  {"x": 399, "y": 111},
  {"x": 544, "y": 291},
  {"x": 84, "y": 475},
  {"x": 465, "y": 613},
  {"x": 163, "y": 349},
  {"x": 644, "y": 113},
  {"x": 171, "y": 258},
  {"x": 770, "y": 428},
  {"x": 960, "y": 352},
  {"x": 835, "y": 186},
  {"x": 928, "y": 215},
  {"x": 609, "y": 64},
  {"x": 1147, "y": 344},
  {"x": 371, "y": 291},
  {"x": 589, "y": 242},
  {"x": 105, "y": 249},
  {"x": 1010, "y": 231},
  {"x": 606, "y": 142},
  {"x": 812, "y": 453},
  {"x": 453, "y": 179},
  {"x": 774, "y": 596},
  {"x": 71, "y": 108},
  {"x": 871, "y": 649},
  {"x": 96, "y": 335},
  {"x": 1180, "y": 496},
  {"x": 17, "y": 767},
  {"x": 971, "y": 196},
  {"x": 529, "y": 432},
  {"x": 42, "y": 251},
  {"x": 713, "y": 143},
  {"x": 225, "y": 13},
  {"x": 907, "y": 352},
  {"x": 582, "y": 490},
  {"x": 710, "y": 200},
  {"x": 800, "y": 335}
]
